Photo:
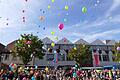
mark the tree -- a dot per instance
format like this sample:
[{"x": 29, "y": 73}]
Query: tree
[
  {"x": 29, "y": 46},
  {"x": 116, "y": 50},
  {"x": 81, "y": 54}
]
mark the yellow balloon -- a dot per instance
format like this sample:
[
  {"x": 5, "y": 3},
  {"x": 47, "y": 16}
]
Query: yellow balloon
[
  {"x": 46, "y": 69},
  {"x": 52, "y": 44},
  {"x": 49, "y": 6},
  {"x": 58, "y": 14},
  {"x": 66, "y": 7},
  {"x": 52, "y": 1},
  {"x": 75, "y": 48},
  {"x": 48, "y": 49},
  {"x": 52, "y": 33}
]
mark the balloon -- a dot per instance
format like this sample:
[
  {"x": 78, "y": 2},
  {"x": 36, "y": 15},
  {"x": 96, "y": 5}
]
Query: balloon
[
  {"x": 84, "y": 9},
  {"x": 76, "y": 65},
  {"x": 52, "y": 33},
  {"x": 56, "y": 38},
  {"x": 23, "y": 11},
  {"x": 52, "y": 1},
  {"x": 36, "y": 66},
  {"x": 49, "y": 6},
  {"x": 74, "y": 74},
  {"x": 52, "y": 44},
  {"x": 61, "y": 26},
  {"x": 46, "y": 69},
  {"x": 28, "y": 42},
  {"x": 66, "y": 7},
  {"x": 75, "y": 48},
  {"x": 55, "y": 51},
  {"x": 40, "y": 9},
  {"x": 28, "y": 45},
  {"x": 43, "y": 11},
  {"x": 118, "y": 48},
  {"x": 23, "y": 20},
  {"x": 44, "y": 28},
  {"x": 7, "y": 24},
  {"x": 58, "y": 14},
  {"x": 48, "y": 62},
  {"x": 42, "y": 18},
  {"x": 65, "y": 20},
  {"x": 98, "y": 1},
  {"x": 67, "y": 14},
  {"x": 33, "y": 78},
  {"x": 48, "y": 49}
]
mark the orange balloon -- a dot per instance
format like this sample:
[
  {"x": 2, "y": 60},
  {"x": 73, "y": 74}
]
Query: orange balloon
[{"x": 42, "y": 18}]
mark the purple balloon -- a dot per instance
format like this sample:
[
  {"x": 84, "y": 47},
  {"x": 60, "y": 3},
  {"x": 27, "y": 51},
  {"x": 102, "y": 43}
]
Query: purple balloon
[{"x": 118, "y": 48}]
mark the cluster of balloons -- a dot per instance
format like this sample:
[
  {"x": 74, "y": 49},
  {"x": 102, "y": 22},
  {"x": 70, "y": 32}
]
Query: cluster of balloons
[{"x": 13, "y": 66}]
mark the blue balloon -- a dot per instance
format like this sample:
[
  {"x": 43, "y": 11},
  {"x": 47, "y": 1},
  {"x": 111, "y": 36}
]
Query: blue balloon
[{"x": 33, "y": 78}]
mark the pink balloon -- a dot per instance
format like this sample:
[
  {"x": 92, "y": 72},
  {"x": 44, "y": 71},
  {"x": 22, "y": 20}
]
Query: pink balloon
[{"x": 61, "y": 26}]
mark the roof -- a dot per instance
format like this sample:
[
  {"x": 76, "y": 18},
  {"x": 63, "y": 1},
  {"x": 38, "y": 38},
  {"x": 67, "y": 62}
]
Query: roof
[
  {"x": 97, "y": 42},
  {"x": 81, "y": 41},
  {"x": 111, "y": 42},
  {"x": 47, "y": 40},
  {"x": 11, "y": 45},
  {"x": 64, "y": 41},
  {"x": 3, "y": 48}
]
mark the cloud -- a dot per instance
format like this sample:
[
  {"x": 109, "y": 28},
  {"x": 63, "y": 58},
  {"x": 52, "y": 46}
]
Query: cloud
[
  {"x": 101, "y": 35},
  {"x": 116, "y": 4}
]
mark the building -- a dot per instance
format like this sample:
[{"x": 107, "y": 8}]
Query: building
[{"x": 103, "y": 49}]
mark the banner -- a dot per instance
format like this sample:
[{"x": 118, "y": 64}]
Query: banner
[{"x": 96, "y": 58}]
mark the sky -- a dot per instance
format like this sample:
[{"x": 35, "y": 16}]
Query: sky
[{"x": 101, "y": 21}]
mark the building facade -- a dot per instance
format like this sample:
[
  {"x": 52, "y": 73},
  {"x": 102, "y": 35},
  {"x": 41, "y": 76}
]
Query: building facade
[{"x": 103, "y": 50}]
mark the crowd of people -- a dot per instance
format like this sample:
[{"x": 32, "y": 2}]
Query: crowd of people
[{"x": 13, "y": 72}]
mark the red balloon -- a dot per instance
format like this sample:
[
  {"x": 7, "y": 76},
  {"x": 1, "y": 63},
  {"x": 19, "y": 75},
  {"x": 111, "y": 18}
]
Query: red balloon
[{"x": 61, "y": 26}]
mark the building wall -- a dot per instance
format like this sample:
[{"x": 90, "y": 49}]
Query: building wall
[{"x": 65, "y": 62}]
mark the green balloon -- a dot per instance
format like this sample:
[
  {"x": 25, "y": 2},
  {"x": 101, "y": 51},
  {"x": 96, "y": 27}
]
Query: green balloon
[
  {"x": 74, "y": 74},
  {"x": 84, "y": 9},
  {"x": 66, "y": 7}
]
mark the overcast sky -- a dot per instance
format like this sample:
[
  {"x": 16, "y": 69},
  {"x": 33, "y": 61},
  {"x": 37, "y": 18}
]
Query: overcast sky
[{"x": 101, "y": 21}]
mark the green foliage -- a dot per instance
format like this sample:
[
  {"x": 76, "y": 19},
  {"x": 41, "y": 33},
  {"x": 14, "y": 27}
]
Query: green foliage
[
  {"x": 27, "y": 46},
  {"x": 116, "y": 52},
  {"x": 81, "y": 54}
]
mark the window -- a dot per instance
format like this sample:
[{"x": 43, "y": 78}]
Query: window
[
  {"x": 14, "y": 58},
  {"x": 100, "y": 57},
  {"x": 68, "y": 59},
  {"x": 61, "y": 57},
  {"x": 50, "y": 57},
  {"x": 105, "y": 57},
  {"x": 7, "y": 57}
]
